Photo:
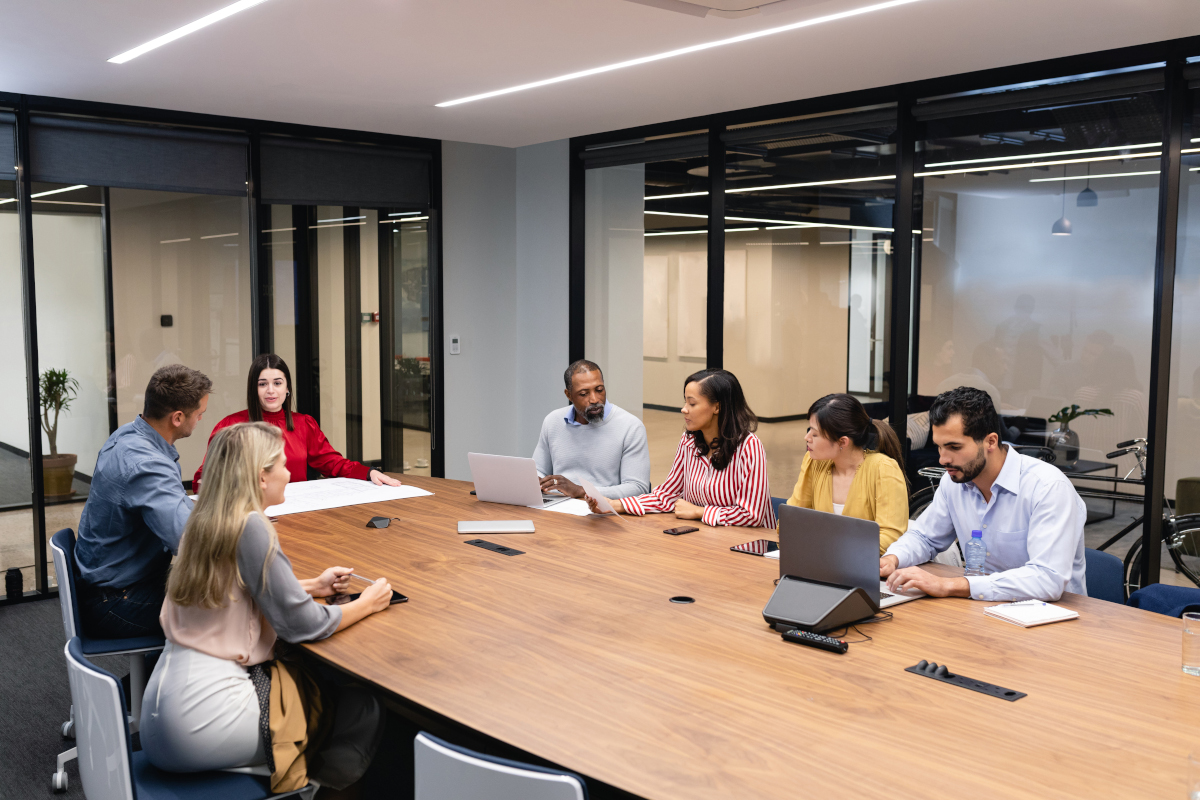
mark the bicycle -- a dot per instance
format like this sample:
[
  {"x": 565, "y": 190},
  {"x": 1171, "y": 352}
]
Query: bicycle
[{"x": 1181, "y": 533}]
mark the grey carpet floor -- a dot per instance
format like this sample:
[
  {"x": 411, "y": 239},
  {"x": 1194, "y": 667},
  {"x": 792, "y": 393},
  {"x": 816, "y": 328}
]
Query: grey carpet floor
[{"x": 35, "y": 700}]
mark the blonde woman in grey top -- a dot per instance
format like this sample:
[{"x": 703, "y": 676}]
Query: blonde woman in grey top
[{"x": 231, "y": 593}]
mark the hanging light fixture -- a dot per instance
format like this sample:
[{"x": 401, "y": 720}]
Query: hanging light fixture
[
  {"x": 1062, "y": 226},
  {"x": 1088, "y": 196}
]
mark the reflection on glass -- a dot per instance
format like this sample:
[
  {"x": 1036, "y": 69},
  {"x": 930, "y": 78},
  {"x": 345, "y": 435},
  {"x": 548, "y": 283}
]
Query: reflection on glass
[
  {"x": 1011, "y": 302},
  {"x": 279, "y": 240},
  {"x": 407, "y": 421},
  {"x": 332, "y": 232},
  {"x": 1183, "y": 426},
  {"x": 16, "y": 516},
  {"x": 181, "y": 294},
  {"x": 808, "y": 217},
  {"x": 1037, "y": 278},
  {"x": 68, "y": 247},
  {"x": 646, "y": 294}
]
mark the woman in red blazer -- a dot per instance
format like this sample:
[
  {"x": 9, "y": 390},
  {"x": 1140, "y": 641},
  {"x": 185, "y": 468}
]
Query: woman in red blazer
[{"x": 269, "y": 399}]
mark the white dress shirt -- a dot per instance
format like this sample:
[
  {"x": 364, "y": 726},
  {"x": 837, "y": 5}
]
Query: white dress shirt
[{"x": 1032, "y": 529}]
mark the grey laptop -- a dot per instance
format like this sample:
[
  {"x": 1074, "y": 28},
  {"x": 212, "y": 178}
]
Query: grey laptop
[
  {"x": 509, "y": 479},
  {"x": 830, "y": 548}
]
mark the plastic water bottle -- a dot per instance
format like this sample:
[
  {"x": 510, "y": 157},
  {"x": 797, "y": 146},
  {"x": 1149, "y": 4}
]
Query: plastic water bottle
[{"x": 975, "y": 554}]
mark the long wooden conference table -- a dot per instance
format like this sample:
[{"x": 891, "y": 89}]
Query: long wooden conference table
[{"x": 574, "y": 653}]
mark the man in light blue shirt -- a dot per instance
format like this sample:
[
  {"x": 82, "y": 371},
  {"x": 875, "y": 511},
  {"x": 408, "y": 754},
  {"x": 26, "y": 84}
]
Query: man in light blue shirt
[
  {"x": 136, "y": 510},
  {"x": 1030, "y": 514}
]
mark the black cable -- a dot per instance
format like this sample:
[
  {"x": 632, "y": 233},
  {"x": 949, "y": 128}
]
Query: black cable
[{"x": 883, "y": 616}]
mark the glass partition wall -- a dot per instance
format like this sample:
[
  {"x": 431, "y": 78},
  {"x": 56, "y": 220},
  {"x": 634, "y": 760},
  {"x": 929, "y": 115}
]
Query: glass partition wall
[
  {"x": 647, "y": 284},
  {"x": 1182, "y": 485},
  {"x": 1036, "y": 279},
  {"x": 17, "y": 553},
  {"x": 808, "y": 210},
  {"x": 362, "y": 365}
]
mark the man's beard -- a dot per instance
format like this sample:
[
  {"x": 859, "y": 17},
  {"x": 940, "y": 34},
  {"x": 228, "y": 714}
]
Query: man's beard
[
  {"x": 594, "y": 411},
  {"x": 971, "y": 470}
]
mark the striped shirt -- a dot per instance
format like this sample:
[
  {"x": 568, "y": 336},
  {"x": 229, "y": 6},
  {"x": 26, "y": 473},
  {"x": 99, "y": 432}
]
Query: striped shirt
[{"x": 736, "y": 495}]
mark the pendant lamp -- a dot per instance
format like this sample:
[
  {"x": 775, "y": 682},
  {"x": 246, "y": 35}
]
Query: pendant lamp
[
  {"x": 1062, "y": 226},
  {"x": 1088, "y": 196}
]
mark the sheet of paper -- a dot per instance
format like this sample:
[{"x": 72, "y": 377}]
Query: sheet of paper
[
  {"x": 590, "y": 489},
  {"x": 337, "y": 493},
  {"x": 577, "y": 507}
]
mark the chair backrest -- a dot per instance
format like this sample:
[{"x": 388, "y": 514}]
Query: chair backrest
[
  {"x": 1105, "y": 576},
  {"x": 101, "y": 729},
  {"x": 1187, "y": 496},
  {"x": 448, "y": 772},
  {"x": 62, "y": 548},
  {"x": 776, "y": 502}
]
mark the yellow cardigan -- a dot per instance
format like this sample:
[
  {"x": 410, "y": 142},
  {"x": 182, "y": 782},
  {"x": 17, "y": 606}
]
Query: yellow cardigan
[{"x": 878, "y": 493}]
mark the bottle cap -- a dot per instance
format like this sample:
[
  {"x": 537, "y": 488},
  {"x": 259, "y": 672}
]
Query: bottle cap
[{"x": 976, "y": 534}]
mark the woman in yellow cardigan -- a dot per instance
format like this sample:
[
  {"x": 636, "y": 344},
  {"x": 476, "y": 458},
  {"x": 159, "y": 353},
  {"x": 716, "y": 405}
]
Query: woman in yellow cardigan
[{"x": 852, "y": 467}]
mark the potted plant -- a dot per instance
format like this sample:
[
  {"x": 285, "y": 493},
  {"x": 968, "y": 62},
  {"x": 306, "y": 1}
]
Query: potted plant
[
  {"x": 58, "y": 390},
  {"x": 1064, "y": 441}
]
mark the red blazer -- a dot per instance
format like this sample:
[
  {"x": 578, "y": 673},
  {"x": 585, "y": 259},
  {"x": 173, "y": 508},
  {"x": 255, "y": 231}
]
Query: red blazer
[{"x": 305, "y": 447}]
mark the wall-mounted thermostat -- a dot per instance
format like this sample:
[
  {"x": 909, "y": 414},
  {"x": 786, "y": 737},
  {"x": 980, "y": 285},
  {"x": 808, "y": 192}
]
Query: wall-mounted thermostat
[{"x": 455, "y": 348}]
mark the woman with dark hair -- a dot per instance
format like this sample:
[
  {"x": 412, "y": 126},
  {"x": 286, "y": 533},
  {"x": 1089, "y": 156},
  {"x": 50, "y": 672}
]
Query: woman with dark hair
[
  {"x": 269, "y": 399},
  {"x": 853, "y": 467},
  {"x": 720, "y": 472}
]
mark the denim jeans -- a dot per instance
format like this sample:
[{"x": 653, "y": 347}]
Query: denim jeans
[{"x": 112, "y": 613}]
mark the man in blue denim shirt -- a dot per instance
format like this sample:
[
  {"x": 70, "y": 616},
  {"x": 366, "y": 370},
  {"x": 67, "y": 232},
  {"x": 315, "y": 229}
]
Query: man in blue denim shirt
[
  {"x": 1030, "y": 514},
  {"x": 136, "y": 510}
]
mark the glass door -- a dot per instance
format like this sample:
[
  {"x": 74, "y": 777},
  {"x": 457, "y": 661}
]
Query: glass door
[{"x": 404, "y": 344}]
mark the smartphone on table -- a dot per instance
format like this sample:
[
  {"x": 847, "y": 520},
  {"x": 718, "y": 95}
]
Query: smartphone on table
[
  {"x": 339, "y": 599},
  {"x": 680, "y": 530}
]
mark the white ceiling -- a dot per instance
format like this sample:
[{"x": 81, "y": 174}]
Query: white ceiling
[{"x": 381, "y": 65}]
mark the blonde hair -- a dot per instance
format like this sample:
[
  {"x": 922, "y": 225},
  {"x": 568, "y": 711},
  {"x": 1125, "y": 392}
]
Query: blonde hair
[{"x": 206, "y": 568}]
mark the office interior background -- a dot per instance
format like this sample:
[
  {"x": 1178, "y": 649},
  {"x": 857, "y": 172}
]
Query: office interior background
[{"x": 1027, "y": 228}]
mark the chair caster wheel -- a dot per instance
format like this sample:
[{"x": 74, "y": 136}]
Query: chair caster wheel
[
  {"x": 68, "y": 729},
  {"x": 59, "y": 781}
]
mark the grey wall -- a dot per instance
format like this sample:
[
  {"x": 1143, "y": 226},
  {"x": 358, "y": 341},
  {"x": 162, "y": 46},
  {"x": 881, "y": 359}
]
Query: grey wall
[
  {"x": 505, "y": 286},
  {"x": 543, "y": 198}
]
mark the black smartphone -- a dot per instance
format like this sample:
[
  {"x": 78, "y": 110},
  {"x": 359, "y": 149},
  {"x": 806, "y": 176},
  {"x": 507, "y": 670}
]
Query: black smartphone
[
  {"x": 680, "y": 530},
  {"x": 759, "y": 547},
  {"x": 339, "y": 599}
]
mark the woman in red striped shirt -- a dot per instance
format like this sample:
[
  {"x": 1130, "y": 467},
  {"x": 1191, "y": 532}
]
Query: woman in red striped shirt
[{"x": 720, "y": 472}]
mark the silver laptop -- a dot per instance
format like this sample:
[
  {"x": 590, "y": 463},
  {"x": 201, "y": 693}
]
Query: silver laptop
[
  {"x": 830, "y": 548},
  {"x": 508, "y": 479}
]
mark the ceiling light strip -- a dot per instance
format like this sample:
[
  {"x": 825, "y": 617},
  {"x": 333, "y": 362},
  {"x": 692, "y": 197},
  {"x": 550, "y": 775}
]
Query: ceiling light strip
[
  {"x": 1032, "y": 164},
  {"x": 1092, "y": 177},
  {"x": 179, "y": 33},
  {"x": 1042, "y": 155},
  {"x": 633, "y": 62}
]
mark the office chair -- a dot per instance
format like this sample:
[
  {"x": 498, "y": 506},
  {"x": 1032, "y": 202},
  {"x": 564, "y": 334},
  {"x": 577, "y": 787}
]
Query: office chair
[
  {"x": 448, "y": 772},
  {"x": 1105, "y": 576},
  {"x": 776, "y": 502},
  {"x": 108, "y": 767},
  {"x": 1187, "y": 496},
  {"x": 62, "y": 548}
]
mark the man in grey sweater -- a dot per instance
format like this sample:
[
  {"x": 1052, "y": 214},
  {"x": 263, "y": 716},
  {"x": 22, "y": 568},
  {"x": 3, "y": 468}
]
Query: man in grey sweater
[{"x": 593, "y": 439}]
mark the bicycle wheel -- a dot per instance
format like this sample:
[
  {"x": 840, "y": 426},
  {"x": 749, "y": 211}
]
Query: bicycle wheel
[
  {"x": 1183, "y": 543},
  {"x": 920, "y": 501},
  {"x": 1133, "y": 568}
]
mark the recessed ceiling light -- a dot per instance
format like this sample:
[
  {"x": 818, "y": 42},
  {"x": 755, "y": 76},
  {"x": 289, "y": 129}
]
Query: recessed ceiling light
[
  {"x": 682, "y": 51},
  {"x": 178, "y": 33}
]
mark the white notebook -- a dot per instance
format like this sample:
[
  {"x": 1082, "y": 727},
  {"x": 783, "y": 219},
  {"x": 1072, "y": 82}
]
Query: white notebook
[
  {"x": 1028, "y": 613},
  {"x": 497, "y": 526}
]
